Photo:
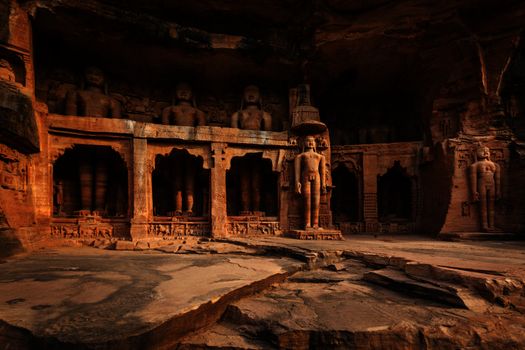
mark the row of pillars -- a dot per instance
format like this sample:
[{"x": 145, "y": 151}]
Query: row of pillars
[{"x": 143, "y": 202}]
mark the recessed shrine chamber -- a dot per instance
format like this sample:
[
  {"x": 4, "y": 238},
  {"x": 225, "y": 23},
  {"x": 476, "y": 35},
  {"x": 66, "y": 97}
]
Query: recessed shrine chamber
[
  {"x": 180, "y": 185},
  {"x": 90, "y": 179}
]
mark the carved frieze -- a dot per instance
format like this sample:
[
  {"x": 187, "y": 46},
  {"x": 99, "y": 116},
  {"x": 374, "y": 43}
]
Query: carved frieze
[
  {"x": 253, "y": 227},
  {"x": 88, "y": 230},
  {"x": 172, "y": 230}
]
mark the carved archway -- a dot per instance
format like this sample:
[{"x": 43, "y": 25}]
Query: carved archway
[
  {"x": 251, "y": 184},
  {"x": 180, "y": 185},
  {"x": 89, "y": 179}
]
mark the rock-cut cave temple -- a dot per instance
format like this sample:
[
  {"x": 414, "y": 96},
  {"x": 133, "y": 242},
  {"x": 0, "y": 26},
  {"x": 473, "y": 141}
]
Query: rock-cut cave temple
[{"x": 153, "y": 120}]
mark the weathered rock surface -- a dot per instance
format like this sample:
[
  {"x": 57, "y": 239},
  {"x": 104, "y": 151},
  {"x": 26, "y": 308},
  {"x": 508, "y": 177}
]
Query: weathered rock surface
[
  {"x": 349, "y": 313},
  {"x": 96, "y": 298}
]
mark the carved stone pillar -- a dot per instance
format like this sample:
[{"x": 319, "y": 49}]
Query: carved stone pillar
[
  {"x": 141, "y": 190},
  {"x": 218, "y": 190},
  {"x": 370, "y": 192}
]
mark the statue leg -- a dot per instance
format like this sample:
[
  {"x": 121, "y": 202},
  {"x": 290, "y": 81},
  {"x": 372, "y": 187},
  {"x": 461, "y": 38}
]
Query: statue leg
[
  {"x": 491, "y": 197},
  {"x": 177, "y": 191},
  {"x": 483, "y": 210},
  {"x": 85, "y": 171},
  {"x": 256, "y": 187},
  {"x": 190, "y": 185},
  {"x": 244, "y": 180},
  {"x": 101, "y": 186},
  {"x": 307, "y": 198},
  {"x": 316, "y": 201}
]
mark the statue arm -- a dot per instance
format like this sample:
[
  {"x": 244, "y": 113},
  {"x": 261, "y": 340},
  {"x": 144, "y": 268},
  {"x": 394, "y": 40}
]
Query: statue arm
[
  {"x": 474, "y": 182},
  {"x": 235, "y": 120},
  {"x": 297, "y": 174},
  {"x": 322, "y": 170},
  {"x": 165, "y": 117},
  {"x": 71, "y": 103},
  {"x": 201, "y": 118},
  {"x": 267, "y": 121},
  {"x": 116, "y": 110}
]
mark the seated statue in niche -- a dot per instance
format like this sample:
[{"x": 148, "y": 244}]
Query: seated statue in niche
[
  {"x": 7, "y": 72},
  {"x": 485, "y": 187},
  {"x": 93, "y": 100},
  {"x": 310, "y": 181},
  {"x": 251, "y": 116},
  {"x": 183, "y": 112}
]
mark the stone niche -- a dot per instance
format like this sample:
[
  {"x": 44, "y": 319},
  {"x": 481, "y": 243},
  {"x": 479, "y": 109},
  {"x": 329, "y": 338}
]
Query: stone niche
[{"x": 19, "y": 128}]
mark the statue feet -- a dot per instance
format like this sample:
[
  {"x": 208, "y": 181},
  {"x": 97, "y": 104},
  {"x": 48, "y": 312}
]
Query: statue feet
[
  {"x": 189, "y": 213},
  {"x": 84, "y": 212},
  {"x": 99, "y": 212}
]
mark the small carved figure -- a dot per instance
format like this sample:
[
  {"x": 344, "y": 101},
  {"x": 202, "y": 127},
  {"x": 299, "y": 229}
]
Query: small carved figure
[
  {"x": 6, "y": 71},
  {"x": 251, "y": 116},
  {"x": 93, "y": 100},
  {"x": 58, "y": 190},
  {"x": 485, "y": 186},
  {"x": 310, "y": 181},
  {"x": 184, "y": 112}
]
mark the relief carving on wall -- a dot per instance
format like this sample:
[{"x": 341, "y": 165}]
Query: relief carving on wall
[{"x": 13, "y": 170}]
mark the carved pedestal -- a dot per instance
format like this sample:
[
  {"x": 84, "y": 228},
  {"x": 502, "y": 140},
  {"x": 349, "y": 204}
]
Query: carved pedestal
[{"x": 316, "y": 234}]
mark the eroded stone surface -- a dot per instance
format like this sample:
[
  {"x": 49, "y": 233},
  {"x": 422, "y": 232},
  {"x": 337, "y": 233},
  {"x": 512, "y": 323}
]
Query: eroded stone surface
[{"x": 93, "y": 296}]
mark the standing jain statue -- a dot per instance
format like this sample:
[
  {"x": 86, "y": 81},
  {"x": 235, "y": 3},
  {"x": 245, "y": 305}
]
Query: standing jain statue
[
  {"x": 93, "y": 100},
  {"x": 251, "y": 116},
  {"x": 485, "y": 186},
  {"x": 183, "y": 113},
  {"x": 310, "y": 181}
]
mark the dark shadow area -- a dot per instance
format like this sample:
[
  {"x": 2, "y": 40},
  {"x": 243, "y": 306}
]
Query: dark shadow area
[
  {"x": 395, "y": 197},
  {"x": 180, "y": 185},
  {"x": 89, "y": 179},
  {"x": 513, "y": 91},
  {"x": 9, "y": 243},
  {"x": 251, "y": 186},
  {"x": 346, "y": 197},
  {"x": 5, "y": 11}
]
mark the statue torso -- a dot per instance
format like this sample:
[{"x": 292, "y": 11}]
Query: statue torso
[
  {"x": 251, "y": 119},
  {"x": 184, "y": 115},
  {"x": 485, "y": 170},
  {"x": 94, "y": 104},
  {"x": 310, "y": 163}
]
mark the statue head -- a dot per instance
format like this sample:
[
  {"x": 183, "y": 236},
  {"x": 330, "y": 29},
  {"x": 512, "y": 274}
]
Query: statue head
[
  {"x": 483, "y": 152},
  {"x": 6, "y": 71},
  {"x": 94, "y": 77},
  {"x": 309, "y": 142},
  {"x": 252, "y": 95},
  {"x": 183, "y": 92}
]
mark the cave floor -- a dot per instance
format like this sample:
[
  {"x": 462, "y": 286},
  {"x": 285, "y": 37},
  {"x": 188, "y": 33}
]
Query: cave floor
[{"x": 366, "y": 292}]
